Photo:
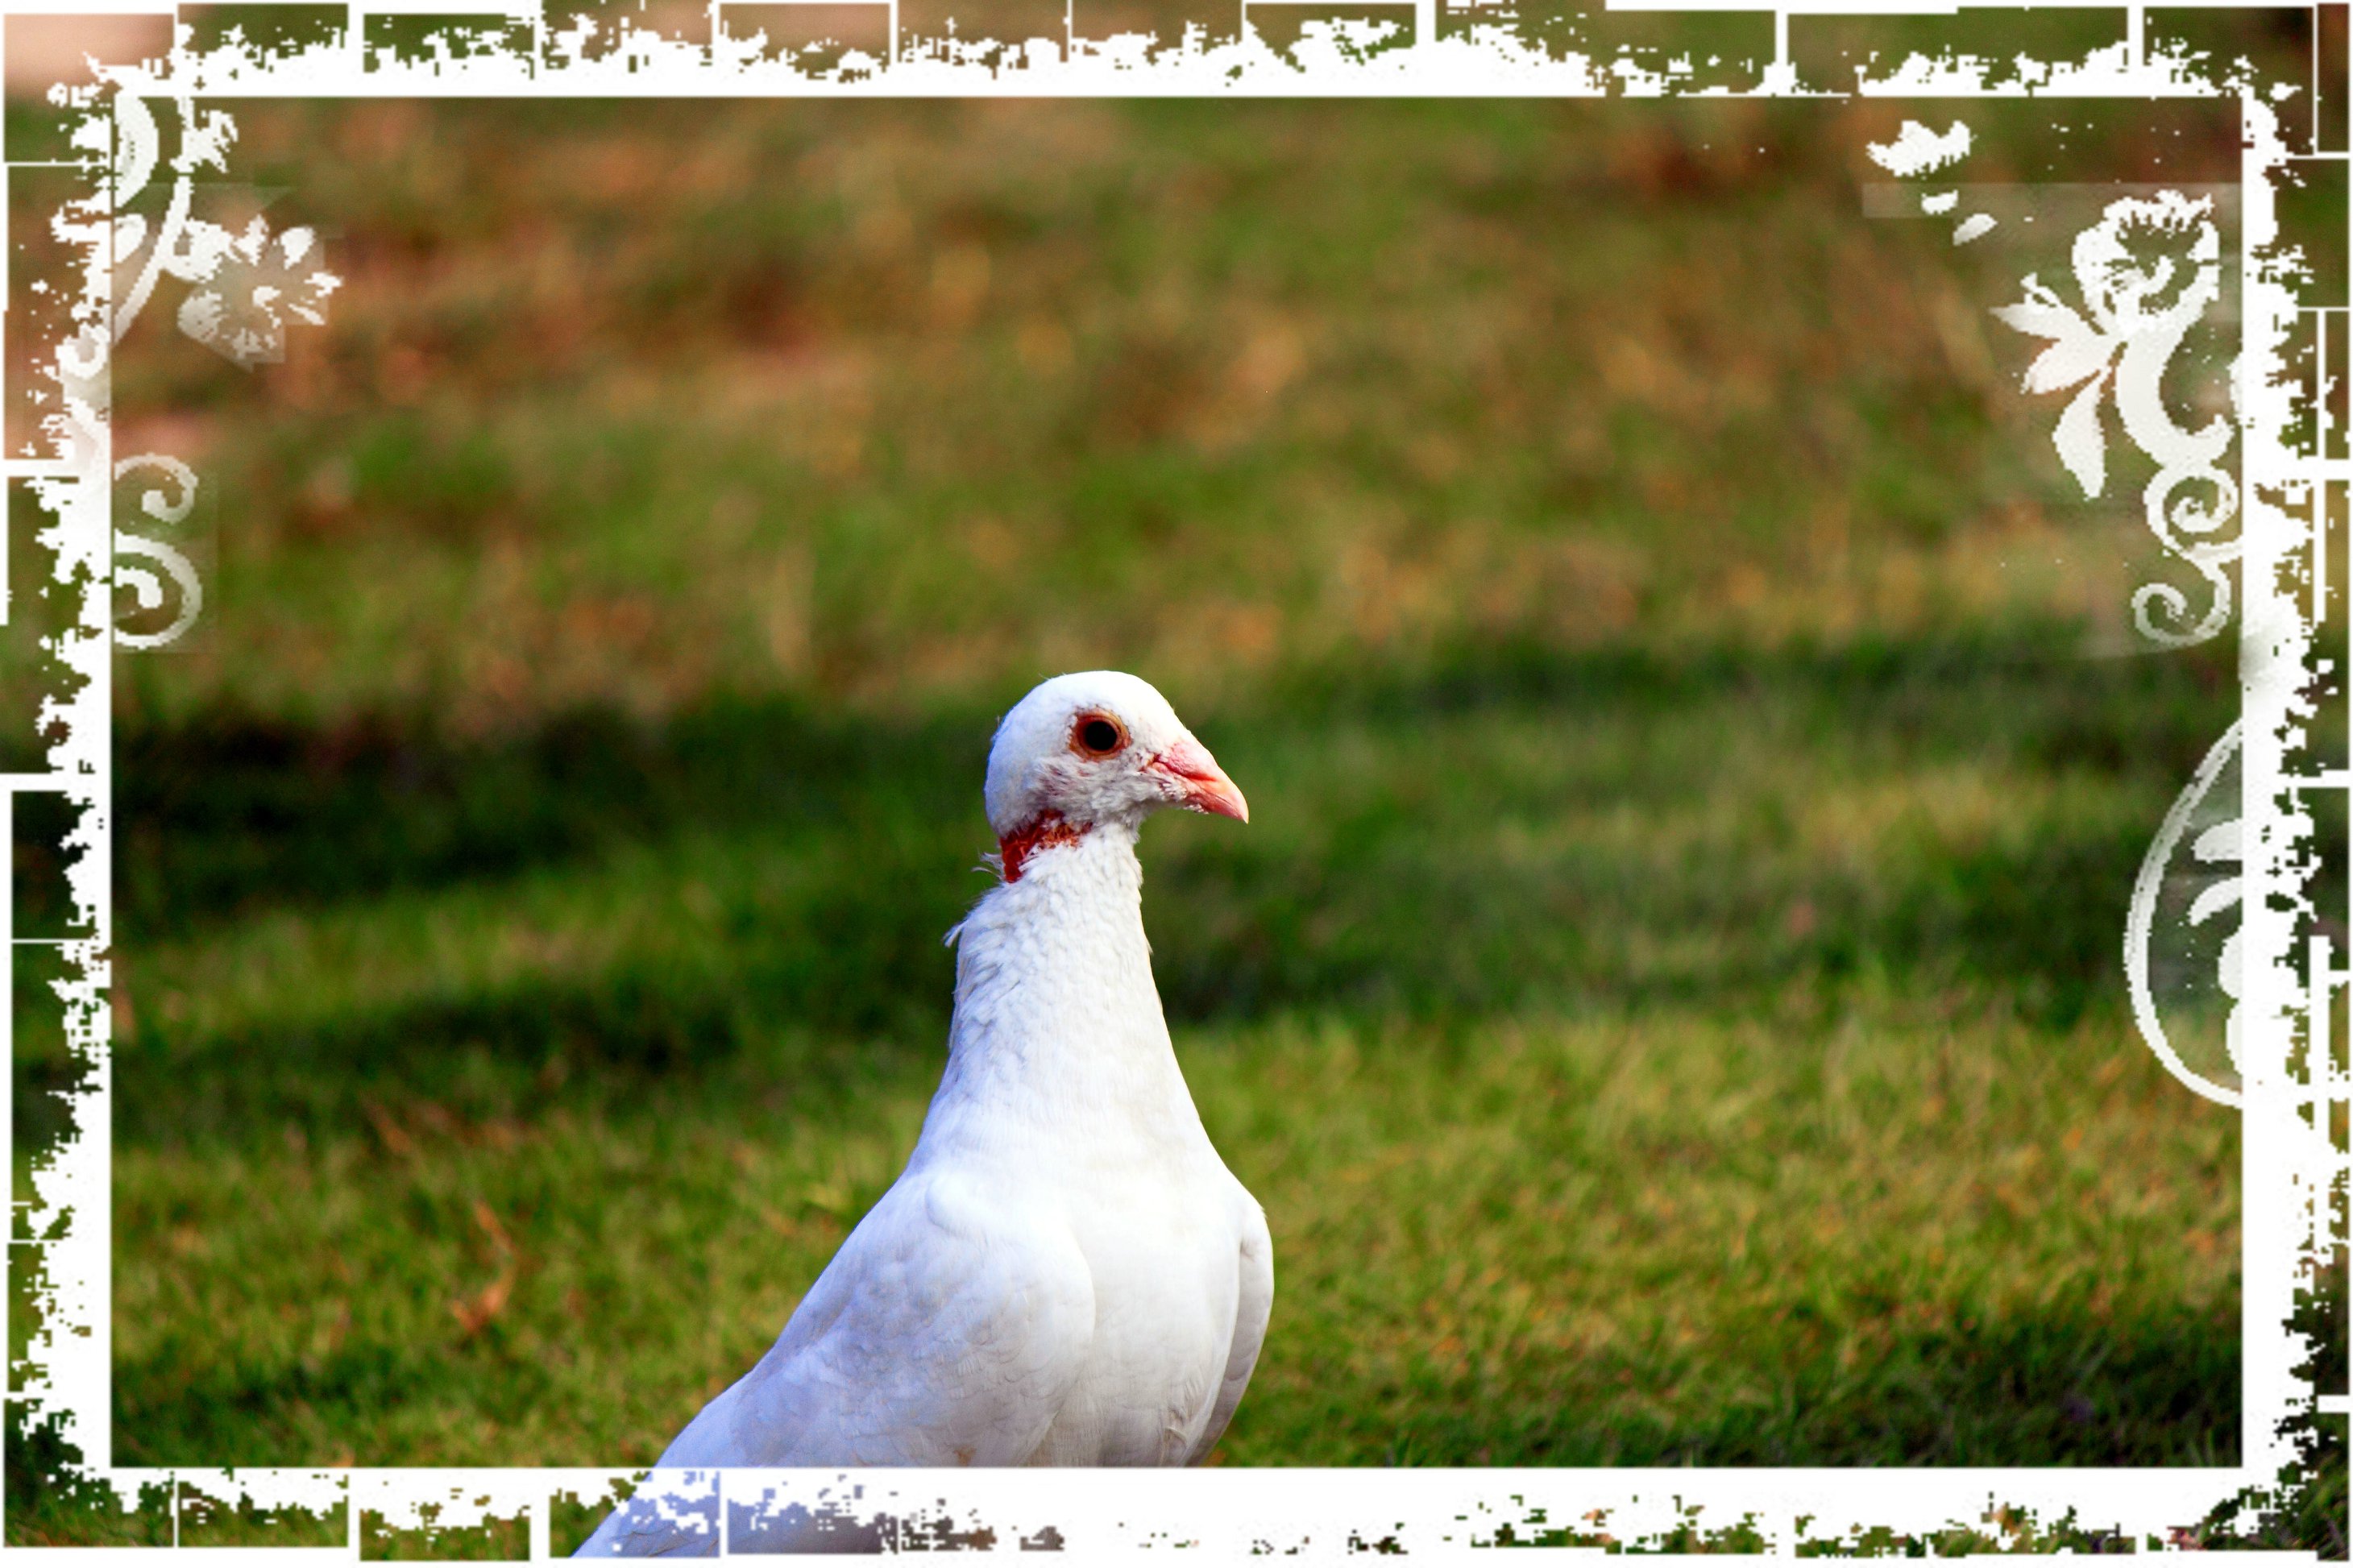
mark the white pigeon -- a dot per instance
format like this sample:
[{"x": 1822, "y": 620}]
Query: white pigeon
[{"x": 1065, "y": 1273}]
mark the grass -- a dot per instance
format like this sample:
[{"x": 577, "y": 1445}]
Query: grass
[
  {"x": 626, "y": 1095},
  {"x": 1667, "y": 999}
]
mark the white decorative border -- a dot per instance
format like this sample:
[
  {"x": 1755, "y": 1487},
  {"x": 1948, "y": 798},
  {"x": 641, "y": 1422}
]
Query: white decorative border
[{"x": 2289, "y": 1084}]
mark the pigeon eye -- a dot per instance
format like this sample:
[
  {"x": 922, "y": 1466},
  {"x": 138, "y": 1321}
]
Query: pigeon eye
[{"x": 1097, "y": 736}]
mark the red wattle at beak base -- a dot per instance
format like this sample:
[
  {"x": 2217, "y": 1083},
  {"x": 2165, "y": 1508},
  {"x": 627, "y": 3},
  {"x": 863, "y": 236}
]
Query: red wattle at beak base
[{"x": 1199, "y": 783}]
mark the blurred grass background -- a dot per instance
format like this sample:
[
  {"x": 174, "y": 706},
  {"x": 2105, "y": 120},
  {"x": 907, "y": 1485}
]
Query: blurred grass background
[{"x": 1668, "y": 997}]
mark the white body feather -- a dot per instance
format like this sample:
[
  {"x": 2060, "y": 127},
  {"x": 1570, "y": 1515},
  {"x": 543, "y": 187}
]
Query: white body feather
[{"x": 1065, "y": 1274}]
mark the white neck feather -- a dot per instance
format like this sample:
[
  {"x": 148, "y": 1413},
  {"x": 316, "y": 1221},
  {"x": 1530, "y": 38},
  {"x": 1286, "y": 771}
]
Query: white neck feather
[{"x": 1059, "y": 1046}]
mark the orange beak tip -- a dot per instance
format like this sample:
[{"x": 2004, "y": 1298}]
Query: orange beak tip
[
  {"x": 1201, "y": 784},
  {"x": 1226, "y": 802}
]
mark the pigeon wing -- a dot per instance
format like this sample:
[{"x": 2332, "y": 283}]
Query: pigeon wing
[
  {"x": 1254, "y": 1304},
  {"x": 948, "y": 1331}
]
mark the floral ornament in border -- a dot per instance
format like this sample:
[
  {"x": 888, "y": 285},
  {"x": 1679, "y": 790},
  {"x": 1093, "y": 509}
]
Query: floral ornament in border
[
  {"x": 247, "y": 288},
  {"x": 2138, "y": 307},
  {"x": 2139, "y": 302},
  {"x": 2135, "y": 315}
]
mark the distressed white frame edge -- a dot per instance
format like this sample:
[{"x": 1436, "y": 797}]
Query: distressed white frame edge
[{"x": 2289, "y": 1163}]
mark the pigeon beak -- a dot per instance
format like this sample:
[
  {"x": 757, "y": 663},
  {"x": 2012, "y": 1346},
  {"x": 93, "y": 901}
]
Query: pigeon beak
[{"x": 1193, "y": 780}]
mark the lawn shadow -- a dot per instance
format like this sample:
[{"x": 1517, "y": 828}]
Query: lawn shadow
[{"x": 1376, "y": 887}]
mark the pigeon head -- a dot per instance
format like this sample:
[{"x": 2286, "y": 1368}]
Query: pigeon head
[{"x": 1101, "y": 747}]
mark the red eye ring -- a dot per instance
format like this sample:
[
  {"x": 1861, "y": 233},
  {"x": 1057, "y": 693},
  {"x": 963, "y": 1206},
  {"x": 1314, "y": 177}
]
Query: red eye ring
[{"x": 1098, "y": 735}]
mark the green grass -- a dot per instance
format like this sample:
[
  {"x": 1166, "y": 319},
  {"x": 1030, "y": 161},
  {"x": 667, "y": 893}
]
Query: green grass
[
  {"x": 1667, "y": 998},
  {"x": 1536, "y": 989}
]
